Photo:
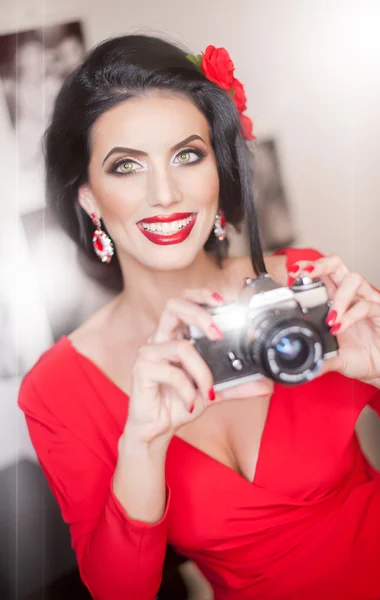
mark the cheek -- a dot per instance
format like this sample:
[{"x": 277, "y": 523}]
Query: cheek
[
  {"x": 201, "y": 183},
  {"x": 118, "y": 196},
  {"x": 209, "y": 188}
]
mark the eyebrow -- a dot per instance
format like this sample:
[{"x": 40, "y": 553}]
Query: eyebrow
[{"x": 137, "y": 153}]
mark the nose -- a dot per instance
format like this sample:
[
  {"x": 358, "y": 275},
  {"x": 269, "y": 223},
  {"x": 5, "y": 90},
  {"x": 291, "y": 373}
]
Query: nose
[{"x": 163, "y": 190}]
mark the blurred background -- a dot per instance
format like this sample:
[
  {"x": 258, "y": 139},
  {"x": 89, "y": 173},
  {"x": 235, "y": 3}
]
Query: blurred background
[{"x": 312, "y": 79}]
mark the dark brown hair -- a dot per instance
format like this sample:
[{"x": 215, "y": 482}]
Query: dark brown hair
[{"x": 122, "y": 68}]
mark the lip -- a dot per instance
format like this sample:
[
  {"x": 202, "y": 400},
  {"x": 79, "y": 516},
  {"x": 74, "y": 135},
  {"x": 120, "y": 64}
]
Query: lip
[
  {"x": 166, "y": 240},
  {"x": 166, "y": 218}
]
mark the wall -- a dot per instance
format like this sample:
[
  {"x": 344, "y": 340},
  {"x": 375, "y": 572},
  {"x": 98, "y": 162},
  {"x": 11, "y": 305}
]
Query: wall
[
  {"x": 311, "y": 76},
  {"x": 310, "y": 68}
]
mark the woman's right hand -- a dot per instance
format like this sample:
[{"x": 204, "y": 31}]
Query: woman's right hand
[{"x": 171, "y": 383}]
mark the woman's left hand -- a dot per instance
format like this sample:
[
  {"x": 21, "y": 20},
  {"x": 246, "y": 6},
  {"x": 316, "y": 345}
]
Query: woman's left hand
[{"x": 354, "y": 317}]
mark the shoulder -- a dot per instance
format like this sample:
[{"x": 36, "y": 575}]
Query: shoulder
[
  {"x": 47, "y": 380},
  {"x": 50, "y": 361},
  {"x": 293, "y": 255},
  {"x": 278, "y": 264}
]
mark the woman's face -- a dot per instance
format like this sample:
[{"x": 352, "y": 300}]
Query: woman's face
[{"x": 154, "y": 179}]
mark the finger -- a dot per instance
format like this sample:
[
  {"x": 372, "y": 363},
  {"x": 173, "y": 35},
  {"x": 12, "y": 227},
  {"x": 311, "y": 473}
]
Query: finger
[
  {"x": 146, "y": 376},
  {"x": 203, "y": 296},
  {"x": 334, "y": 363},
  {"x": 360, "y": 310},
  {"x": 330, "y": 286},
  {"x": 254, "y": 388},
  {"x": 199, "y": 406},
  {"x": 352, "y": 287},
  {"x": 331, "y": 265},
  {"x": 183, "y": 353},
  {"x": 179, "y": 311}
]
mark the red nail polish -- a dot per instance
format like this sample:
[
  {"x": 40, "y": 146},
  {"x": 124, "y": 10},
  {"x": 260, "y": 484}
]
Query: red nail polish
[
  {"x": 215, "y": 332},
  {"x": 331, "y": 317},
  {"x": 191, "y": 409},
  {"x": 294, "y": 269},
  {"x": 211, "y": 394},
  {"x": 309, "y": 269},
  {"x": 217, "y": 297},
  {"x": 335, "y": 328}
]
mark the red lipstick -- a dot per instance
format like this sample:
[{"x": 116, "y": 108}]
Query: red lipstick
[
  {"x": 168, "y": 234},
  {"x": 167, "y": 218}
]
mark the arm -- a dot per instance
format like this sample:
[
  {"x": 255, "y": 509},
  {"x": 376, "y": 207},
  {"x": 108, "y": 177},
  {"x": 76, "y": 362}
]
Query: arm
[
  {"x": 114, "y": 498},
  {"x": 376, "y": 383},
  {"x": 357, "y": 306},
  {"x": 354, "y": 316},
  {"x": 139, "y": 478},
  {"x": 118, "y": 555}
]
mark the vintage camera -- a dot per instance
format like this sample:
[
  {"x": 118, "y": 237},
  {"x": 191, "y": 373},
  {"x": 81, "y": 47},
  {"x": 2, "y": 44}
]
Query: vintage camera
[{"x": 271, "y": 331}]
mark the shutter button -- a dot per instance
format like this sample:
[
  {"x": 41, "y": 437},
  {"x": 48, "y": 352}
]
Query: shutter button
[{"x": 236, "y": 363}]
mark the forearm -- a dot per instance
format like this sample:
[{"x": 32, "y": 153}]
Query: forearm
[
  {"x": 374, "y": 382},
  {"x": 139, "y": 479},
  {"x": 124, "y": 556}
]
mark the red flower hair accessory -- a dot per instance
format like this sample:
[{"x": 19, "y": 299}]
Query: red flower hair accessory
[{"x": 218, "y": 67}]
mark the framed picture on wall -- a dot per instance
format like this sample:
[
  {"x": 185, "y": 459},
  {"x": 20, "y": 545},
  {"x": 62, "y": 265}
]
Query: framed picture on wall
[{"x": 33, "y": 66}]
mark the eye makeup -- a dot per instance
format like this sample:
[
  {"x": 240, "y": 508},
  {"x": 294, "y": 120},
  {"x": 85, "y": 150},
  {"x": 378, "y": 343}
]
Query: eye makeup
[{"x": 113, "y": 168}]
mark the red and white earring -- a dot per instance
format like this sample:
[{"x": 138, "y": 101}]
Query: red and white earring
[
  {"x": 220, "y": 226},
  {"x": 103, "y": 245}
]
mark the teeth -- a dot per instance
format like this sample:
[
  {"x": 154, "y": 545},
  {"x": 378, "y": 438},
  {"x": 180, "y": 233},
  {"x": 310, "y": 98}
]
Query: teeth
[{"x": 167, "y": 228}]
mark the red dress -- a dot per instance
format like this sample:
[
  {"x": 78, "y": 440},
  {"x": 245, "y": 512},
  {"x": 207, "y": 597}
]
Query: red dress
[{"x": 307, "y": 528}]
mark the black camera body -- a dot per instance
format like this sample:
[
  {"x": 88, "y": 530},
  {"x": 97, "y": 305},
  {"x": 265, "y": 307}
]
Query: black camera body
[{"x": 269, "y": 331}]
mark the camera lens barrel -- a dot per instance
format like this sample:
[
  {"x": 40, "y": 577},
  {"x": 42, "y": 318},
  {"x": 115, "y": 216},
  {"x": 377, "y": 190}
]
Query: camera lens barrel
[{"x": 287, "y": 350}]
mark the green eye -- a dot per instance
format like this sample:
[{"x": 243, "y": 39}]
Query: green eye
[
  {"x": 125, "y": 167},
  {"x": 184, "y": 157},
  {"x": 188, "y": 156}
]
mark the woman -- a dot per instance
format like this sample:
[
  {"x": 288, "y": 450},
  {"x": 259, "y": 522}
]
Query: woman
[{"x": 264, "y": 487}]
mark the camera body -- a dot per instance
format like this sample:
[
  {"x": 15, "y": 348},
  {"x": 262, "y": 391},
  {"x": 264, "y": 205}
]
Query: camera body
[{"x": 269, "y": 331}]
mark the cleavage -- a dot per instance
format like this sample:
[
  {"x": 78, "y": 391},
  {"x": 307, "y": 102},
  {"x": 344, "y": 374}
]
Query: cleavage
[{"x": 231, "y": 433}]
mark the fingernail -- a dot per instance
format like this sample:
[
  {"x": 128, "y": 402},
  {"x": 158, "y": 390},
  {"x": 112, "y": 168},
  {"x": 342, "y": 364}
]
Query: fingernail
[
  {"x": 192, "y": 409},
  {"x": 331, "y": 317},
  {"x": 215, "y": 332},
  {"x": 335, "y": 328},
  {"x": 294, "y": 269},
  {"x": 217, "y": 297},
  {"x": 211, "y": 394},
  {"x": 309, "y": 269}
]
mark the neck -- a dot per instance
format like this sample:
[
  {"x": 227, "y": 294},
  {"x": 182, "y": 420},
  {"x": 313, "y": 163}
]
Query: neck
[{"x": 146, "y": 291}]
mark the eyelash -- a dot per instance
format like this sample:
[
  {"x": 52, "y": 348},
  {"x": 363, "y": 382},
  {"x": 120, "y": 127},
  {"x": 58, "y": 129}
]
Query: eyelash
[{"x": 200, "y": 153}]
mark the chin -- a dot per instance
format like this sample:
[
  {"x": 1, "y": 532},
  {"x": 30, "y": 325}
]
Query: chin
[{"x": 176, "y": 262}]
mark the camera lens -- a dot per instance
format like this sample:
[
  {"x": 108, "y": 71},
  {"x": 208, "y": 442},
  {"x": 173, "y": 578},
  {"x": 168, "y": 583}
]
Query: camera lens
[
  {"x": 291, "y": 352},
  {"x": 287, "y": 350}
]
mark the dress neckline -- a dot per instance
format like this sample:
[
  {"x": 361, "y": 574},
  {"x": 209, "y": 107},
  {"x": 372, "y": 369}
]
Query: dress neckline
[{"x": 263, "y": 442}]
